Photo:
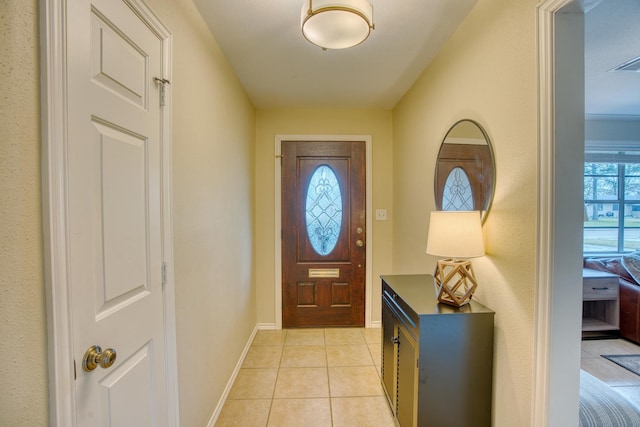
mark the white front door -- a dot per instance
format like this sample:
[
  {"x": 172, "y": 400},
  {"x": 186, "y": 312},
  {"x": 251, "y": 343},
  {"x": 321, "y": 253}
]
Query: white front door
[{"x": 114, "y": 191}]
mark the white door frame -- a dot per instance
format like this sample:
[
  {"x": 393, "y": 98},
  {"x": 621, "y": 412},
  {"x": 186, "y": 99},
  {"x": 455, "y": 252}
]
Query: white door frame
[
  {"x": 53, "y": 26},
  {"x": 559, "y": 243},
  {"x": 278, "y": 218}
]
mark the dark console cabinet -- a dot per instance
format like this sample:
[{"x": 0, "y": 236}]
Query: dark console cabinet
[{"x": 437, "y": 360}]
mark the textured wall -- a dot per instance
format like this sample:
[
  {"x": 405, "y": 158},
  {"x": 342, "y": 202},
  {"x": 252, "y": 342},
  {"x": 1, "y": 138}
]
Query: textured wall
[
  {"x": 213, "y": 138},
  {"x": 23, "y": 394},
  {"x": 485, "y": 72}
]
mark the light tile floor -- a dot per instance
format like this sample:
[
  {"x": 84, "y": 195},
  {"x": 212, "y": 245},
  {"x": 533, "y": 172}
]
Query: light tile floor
[
  {"x": 310, "y": 377},
  {"x": 330, "y": 377},
  {"x": 625, "y": 382}
]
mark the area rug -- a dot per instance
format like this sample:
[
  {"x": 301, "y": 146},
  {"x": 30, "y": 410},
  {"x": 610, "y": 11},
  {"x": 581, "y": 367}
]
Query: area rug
[
  {"x": 630, "y": 362},
  {"x": 601, "y": 406}
]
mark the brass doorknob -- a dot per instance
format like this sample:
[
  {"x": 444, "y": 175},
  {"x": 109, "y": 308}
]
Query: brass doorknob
[
  {"x": 359, "y": 243},
  {"x": 94, "y": 357}
]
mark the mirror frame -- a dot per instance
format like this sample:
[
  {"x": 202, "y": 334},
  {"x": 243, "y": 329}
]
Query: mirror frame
[{"x": 478, "y": 164}]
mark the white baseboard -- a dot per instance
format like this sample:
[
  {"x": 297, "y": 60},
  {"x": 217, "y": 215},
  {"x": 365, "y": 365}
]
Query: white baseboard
[
  {"x": 227, "y": 389},
  {"x": 266, "y": 326}
]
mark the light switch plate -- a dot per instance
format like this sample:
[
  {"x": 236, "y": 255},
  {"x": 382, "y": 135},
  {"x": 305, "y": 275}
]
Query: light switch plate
[{"x": 381, "y": 214}]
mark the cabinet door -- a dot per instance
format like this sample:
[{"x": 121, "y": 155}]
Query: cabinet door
[
  {"x": 389, "y": 359},
  {"x": 407, "y": 372}
]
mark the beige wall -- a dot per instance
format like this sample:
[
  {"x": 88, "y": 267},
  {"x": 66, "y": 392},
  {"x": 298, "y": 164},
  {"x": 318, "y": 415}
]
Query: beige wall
[
  {"x": 272, "y": 122},
  {"x": 23, "y": 334},
  {"x": 213, "y": 137},
  {"x": 485, "y": 72}
]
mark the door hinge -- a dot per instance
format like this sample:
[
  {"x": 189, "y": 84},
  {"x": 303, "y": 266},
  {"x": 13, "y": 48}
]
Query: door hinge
[
  {"x": 162, "y": 84},
  {"x": 164, "y": 274}
]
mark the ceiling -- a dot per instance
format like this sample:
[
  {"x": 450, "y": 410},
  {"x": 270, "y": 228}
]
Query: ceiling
[
  {"x": 279, "y": 68},
  {"x": 612, "y": 37}
]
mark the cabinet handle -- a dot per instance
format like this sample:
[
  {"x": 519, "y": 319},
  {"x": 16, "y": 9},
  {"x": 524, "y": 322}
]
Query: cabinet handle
[
  {"x": 600, "y": 289},
  {"x": 395, "y": 340}
]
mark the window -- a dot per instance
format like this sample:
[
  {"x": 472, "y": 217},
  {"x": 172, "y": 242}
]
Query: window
[
  {"x": 323, "y": 210},
  {"x": 457, "y": 194},
  {"x": 611, "y": 202}
]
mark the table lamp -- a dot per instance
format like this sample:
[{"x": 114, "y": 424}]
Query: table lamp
[{"x": 456, "y": 235}]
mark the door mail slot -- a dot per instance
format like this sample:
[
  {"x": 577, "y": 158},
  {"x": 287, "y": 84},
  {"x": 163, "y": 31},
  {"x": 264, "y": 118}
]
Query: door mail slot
[{"x": 320, "y": 273}]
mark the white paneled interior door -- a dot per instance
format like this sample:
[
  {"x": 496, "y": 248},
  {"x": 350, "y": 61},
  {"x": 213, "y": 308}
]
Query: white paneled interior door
[{"x": 114, "y": 196}]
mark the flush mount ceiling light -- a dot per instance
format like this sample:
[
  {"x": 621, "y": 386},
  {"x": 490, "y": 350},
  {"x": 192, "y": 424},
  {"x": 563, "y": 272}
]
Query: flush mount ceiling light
[{"x": 336, "y": 24}]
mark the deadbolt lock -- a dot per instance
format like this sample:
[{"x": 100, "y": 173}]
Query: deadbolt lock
[{"x": 94, "y": 357}]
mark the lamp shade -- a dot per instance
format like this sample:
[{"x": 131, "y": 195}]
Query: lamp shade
[
  {"x": 455, "y": 234},
  {"x": 336, "y": 24}
]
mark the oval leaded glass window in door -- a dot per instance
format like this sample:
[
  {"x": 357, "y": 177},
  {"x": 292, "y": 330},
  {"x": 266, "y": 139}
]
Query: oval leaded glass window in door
[
  {"x": 323, "y": 210},
  {"x": 457, "y": 194}
]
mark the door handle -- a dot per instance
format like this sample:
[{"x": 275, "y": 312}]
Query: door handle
[
  {"x": 359, "y": 243},
  {"x": 94, "y": 357}
]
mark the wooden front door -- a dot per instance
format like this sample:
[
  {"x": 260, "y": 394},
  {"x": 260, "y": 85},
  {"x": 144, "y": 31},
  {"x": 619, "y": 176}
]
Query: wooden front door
[{"x": 323, "y": 233}]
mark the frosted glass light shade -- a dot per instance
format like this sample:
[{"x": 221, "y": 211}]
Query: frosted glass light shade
[
  {"x": 455, "y": 234},
  {"x": 336, "y": 24}
]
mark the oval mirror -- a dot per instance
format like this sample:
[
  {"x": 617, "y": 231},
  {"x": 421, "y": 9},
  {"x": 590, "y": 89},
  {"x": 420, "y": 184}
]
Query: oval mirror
[{"x": 465, "y": 170}]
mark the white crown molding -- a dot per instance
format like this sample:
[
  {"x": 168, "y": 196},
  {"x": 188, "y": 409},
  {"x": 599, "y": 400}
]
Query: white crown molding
[
  {"x": 614, "y": 145},
  {"x": 612, "y": 117}
]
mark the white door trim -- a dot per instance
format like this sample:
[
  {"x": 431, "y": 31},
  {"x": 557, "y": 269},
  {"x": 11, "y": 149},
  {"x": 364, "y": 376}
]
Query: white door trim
[
  {"x": 53, "y": 26},
  {"x": 278, "y": 218},
  {"x": 544, "y": 261},
  {"x": 554, "y": 264}
]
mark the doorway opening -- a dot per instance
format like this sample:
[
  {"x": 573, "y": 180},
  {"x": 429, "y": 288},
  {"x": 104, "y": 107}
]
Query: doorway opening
[{"x": 560, "y": 182}]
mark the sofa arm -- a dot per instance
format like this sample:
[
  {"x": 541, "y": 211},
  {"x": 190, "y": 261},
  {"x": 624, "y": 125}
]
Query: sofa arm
[{"x": 630, "y": 311}]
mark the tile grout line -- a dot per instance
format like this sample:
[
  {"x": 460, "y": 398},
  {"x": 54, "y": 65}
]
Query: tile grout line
[
  {"x": 326, "y": 359},
  {"x": 273, "y": 393}
]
